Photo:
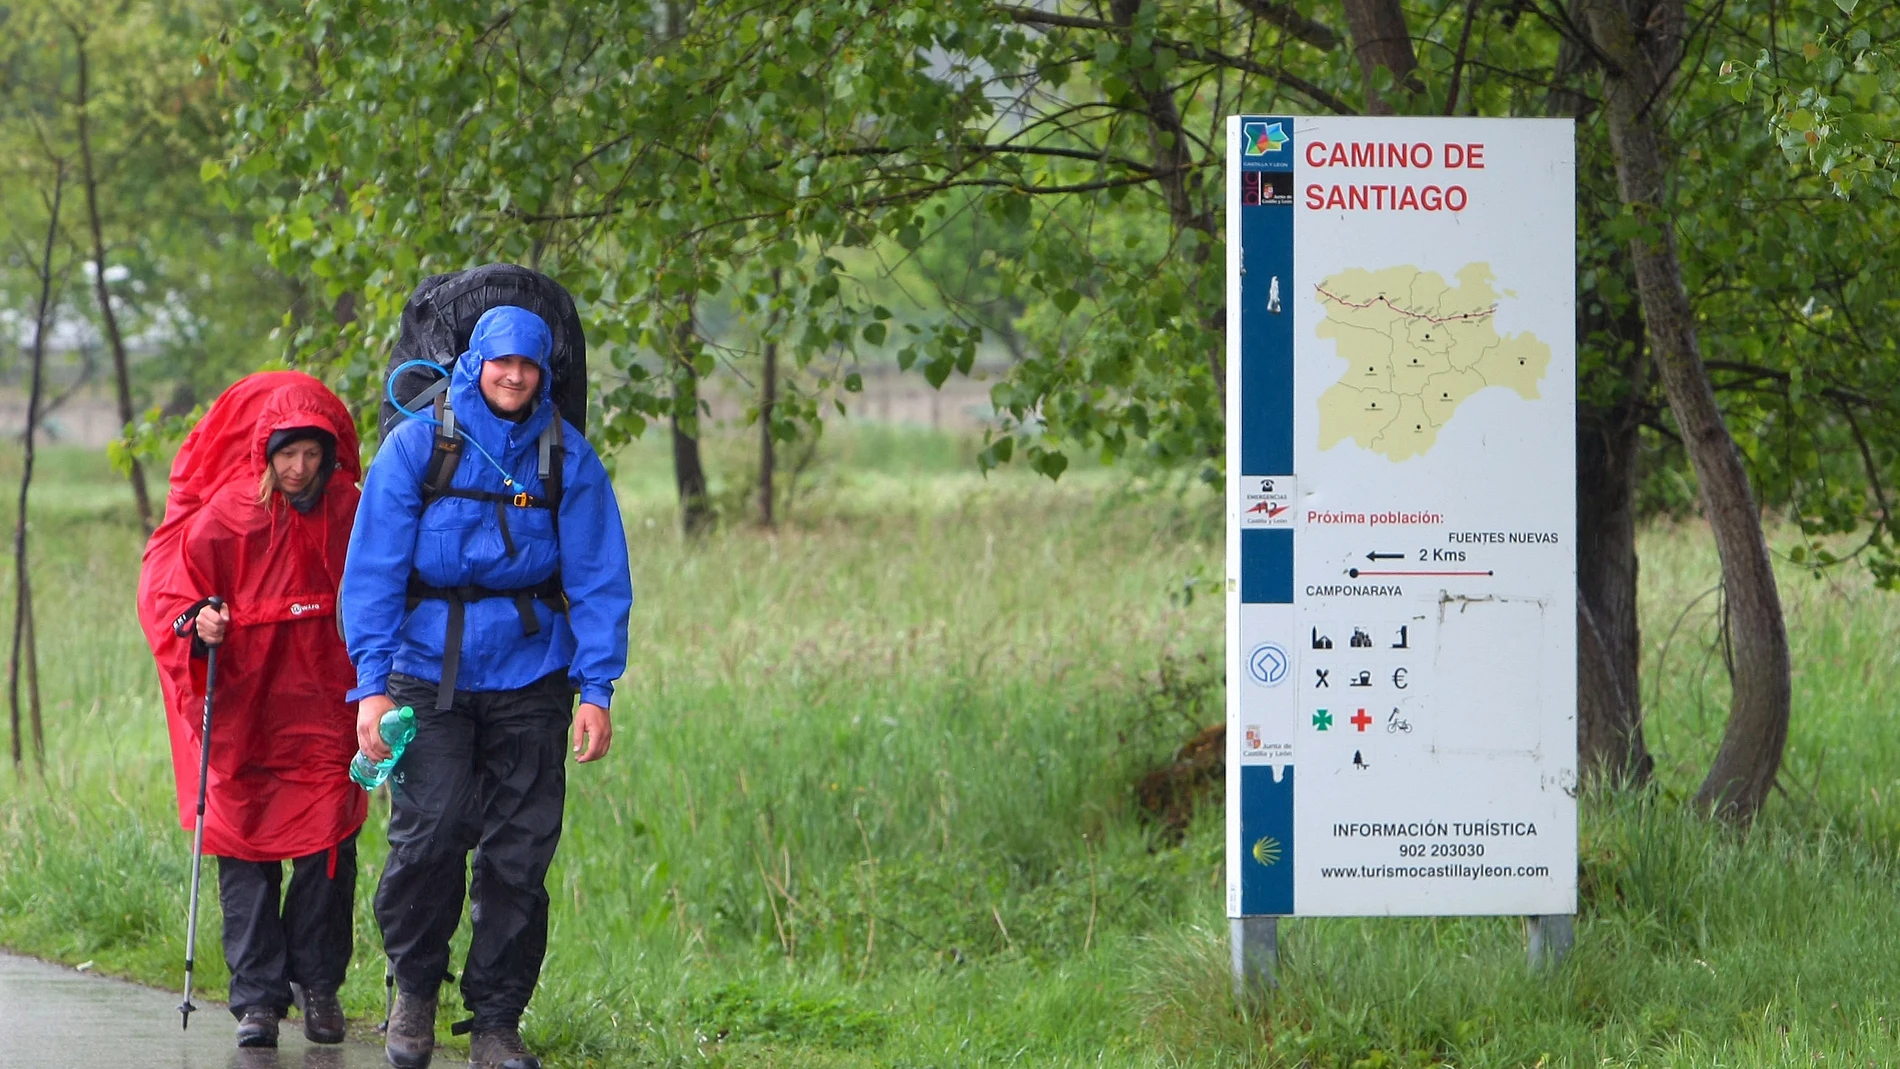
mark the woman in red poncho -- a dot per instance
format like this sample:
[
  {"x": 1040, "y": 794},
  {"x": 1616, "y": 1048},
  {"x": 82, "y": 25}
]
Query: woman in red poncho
[{"x": 263, "y": 495}]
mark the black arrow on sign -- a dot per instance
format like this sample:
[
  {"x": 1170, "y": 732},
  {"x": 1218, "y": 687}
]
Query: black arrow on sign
[{"x": 1385, "y": 556}]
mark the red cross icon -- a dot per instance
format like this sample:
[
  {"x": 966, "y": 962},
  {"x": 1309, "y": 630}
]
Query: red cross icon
[{"x": 1361, "y": 721}]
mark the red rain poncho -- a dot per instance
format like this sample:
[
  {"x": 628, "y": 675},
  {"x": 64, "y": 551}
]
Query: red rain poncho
[{"x": 282, "y": 734}]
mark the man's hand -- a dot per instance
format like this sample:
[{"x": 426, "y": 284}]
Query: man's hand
[
  {"x": 213, "y": 621},
  {"x": 592, "y": 724},
  {"x": 369, "y": 720}
]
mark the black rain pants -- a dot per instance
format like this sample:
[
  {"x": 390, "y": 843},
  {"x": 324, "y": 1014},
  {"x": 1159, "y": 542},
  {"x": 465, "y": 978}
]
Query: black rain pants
[
  {"x": 486, "y": 775},
  {"x": 306, "y": 940}
]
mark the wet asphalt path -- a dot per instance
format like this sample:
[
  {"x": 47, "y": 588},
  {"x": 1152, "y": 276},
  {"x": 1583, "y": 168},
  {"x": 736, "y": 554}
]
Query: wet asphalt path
[{"x": 52, "y": 1017}]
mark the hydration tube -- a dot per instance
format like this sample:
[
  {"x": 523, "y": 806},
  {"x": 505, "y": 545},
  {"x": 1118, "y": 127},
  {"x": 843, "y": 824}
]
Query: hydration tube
[
  {"x": 389, "y": 387},
  {"x": 389, "y": 390}
]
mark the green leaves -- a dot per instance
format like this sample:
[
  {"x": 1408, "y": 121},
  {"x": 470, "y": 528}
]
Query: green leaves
[
  {"x": 987, "y": 176},
  {"x": 1833, "y": 103}
]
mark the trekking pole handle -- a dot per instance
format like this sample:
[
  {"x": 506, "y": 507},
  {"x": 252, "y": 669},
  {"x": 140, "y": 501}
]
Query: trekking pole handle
[
  {"x": 186, "y": 623},
  {"x": 204, "y": 750}
]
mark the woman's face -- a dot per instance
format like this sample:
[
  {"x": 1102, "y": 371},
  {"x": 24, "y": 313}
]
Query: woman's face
[{"x": 297, "y": 465}]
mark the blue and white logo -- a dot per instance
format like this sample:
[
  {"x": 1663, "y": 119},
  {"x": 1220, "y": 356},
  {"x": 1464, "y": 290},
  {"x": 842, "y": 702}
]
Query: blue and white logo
[{"x": 1268, "y": 664}]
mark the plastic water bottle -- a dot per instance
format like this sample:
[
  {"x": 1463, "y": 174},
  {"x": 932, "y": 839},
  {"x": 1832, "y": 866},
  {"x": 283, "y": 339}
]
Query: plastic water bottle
[{"x": 398, "y": 727}]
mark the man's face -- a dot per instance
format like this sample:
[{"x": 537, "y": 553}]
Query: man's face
[
  {"x": 297, "y": 465},
  {"x": 510, "y": 384}
]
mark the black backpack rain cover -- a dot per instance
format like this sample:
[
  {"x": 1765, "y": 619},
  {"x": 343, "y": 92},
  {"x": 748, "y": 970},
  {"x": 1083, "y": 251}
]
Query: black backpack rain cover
[{"x": 441, "y": 314}]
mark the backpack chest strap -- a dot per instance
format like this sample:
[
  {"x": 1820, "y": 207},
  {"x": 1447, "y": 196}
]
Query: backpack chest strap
[{"x": 503, "y": 502}]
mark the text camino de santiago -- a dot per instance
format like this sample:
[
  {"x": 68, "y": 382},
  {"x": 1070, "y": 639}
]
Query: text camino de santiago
[{"x": 1386, "y": 155}]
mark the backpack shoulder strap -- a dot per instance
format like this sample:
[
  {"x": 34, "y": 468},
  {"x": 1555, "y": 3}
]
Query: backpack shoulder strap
[
  {"x": 446, "y": 456},
  {"x": 553, "y": 457}
]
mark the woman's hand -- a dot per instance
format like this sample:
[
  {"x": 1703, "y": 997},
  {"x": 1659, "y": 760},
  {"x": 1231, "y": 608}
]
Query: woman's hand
[
  {"x": 592, "y": 723},
  {"x": 213, "y": 622},
  {"x": 369, "y": 720}
]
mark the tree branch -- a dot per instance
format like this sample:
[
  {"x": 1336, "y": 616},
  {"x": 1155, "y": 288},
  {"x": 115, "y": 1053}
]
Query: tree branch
[
  {"x": 1285, "y": 16},
  {"x": 985, "y": 150},
  {"x": 1873, "y": 470},
  {"x": 1031, "y": 17},
  {"x": 1832, "y": 393}
]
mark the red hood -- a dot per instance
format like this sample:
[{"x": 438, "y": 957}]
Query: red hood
[
  {"x": 228, "y": 443},
  {"x": 304, "y": 402}
]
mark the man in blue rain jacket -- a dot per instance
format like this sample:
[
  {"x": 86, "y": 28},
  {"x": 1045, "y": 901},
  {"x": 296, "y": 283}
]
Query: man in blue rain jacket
[{"x": 537, "y": 592}]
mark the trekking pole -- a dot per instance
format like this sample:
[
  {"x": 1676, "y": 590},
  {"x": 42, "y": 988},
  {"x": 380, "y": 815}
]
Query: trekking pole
[
  {"x": 389, "y": 994},
  {"x": 198, "y": 835}
]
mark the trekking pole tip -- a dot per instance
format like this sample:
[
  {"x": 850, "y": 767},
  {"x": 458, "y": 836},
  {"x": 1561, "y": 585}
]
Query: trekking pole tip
[{"x": 184, "y": 1012}]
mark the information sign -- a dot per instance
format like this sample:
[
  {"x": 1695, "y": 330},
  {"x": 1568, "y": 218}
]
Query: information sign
[{"x": 1401, "y": 488}]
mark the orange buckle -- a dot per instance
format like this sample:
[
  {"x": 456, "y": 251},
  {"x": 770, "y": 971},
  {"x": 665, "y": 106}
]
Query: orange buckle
[{"x": 522, "y": 500}]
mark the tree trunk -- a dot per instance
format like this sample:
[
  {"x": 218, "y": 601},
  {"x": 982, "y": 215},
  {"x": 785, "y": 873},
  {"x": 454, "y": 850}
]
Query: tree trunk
[
  {"x": 768, "y": 401},
  {"x": 33, "y": 681},
  {"x": 107, "y": 317},
  {"x": 1750, "y": 755},
  {"x": 23, "y": 588},
  {"x": 1610, "y": 745},
  {"x": 1610, "y": 741},
  {"x": 766, "y": 457},
  {"x": 1458, "y": 63},
  {"x": 696, "y": 513},
  {"x": 1566, "y": 97},
  {"x": 1380, "y": 39}
]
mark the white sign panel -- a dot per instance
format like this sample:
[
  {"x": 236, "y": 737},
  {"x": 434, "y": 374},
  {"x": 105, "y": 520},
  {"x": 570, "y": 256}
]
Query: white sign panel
[{"x": 1402, "y": 519}]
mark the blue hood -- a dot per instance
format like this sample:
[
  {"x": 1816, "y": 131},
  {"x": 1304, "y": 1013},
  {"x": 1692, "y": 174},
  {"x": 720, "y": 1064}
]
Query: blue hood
[{"x": 504, "y": 330}]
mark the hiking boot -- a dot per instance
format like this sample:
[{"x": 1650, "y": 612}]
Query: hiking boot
[
  {"x": 499, "y": 1048},
  {"x": 411, "y": 1039},
  {"x": 323, "y": 1017},
  {"x": 258, "y": 1027}
]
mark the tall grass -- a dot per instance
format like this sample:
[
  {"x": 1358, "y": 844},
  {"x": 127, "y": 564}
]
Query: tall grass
[{"x": 870, "y": 805}]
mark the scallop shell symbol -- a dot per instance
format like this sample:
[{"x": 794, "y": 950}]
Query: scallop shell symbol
[{"x": 1267, "y": 850}]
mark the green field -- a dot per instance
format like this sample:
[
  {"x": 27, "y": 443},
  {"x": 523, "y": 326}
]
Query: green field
[{"x": 870, "y": 804}]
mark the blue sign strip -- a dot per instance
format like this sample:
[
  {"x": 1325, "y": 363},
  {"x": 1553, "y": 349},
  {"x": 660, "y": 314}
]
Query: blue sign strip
[
  {"x": 1266, "y": 841},
  {"x": 1266, "y": 327},
  {"x": 1266, "y": 567},
  {"x": 1267, "y": 303},
  {"x": 1266, "y": 341}
]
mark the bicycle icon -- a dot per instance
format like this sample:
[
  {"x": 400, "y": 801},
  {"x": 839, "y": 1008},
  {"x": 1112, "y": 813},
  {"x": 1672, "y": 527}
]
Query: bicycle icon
[{"x": 1397, "y": 725}]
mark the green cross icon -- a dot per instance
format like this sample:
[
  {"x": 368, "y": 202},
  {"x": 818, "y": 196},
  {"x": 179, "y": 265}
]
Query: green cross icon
[{"x": 1322, "y": 720}]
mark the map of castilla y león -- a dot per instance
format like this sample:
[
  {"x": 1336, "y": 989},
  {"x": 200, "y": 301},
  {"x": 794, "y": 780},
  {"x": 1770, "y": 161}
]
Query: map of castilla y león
[{"x": 1416, "y": 348}]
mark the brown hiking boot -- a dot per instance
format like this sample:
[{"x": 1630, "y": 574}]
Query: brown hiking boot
[
  {"x": 323, "y": 1017},
  {"x": 499, "y": 1048},
  {"x": 411, "y": 1039},
  {"x": 257, "y": 1028}
]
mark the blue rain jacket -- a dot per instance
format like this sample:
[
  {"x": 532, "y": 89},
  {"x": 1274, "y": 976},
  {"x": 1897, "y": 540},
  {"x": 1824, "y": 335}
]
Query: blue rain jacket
[{"x": 458, "y": 542}]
